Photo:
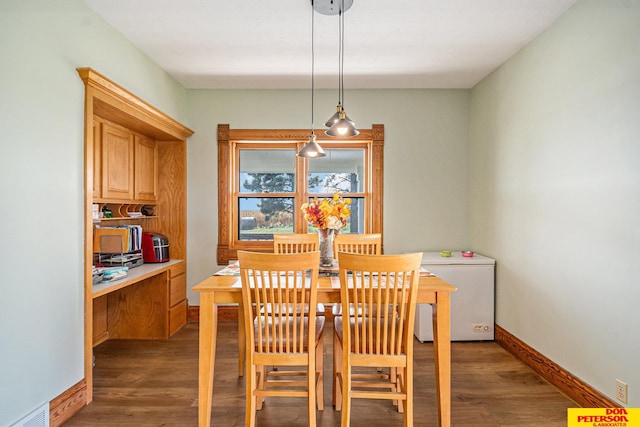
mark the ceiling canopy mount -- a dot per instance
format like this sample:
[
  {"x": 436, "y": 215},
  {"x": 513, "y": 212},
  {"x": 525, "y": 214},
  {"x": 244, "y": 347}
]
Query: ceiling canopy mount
[{"x": 331, "y": 7}]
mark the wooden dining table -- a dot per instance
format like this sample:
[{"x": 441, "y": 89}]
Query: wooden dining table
[{"x": 217, "y": 290}]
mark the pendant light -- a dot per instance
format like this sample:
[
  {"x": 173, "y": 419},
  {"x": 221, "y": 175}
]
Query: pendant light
[
  {"x": 340, "y": 124},
  {"x": 312, "y": 148},
  {"x": 336, "y": 116}
]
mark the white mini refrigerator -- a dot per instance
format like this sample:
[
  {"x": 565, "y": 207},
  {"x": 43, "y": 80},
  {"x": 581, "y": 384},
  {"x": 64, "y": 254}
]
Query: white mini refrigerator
[{"x": 472, "y": 305}]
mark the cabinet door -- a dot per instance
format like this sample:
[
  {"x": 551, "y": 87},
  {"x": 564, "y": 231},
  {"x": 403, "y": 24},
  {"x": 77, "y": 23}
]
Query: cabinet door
[
  {"x": 117, "y": 163},
  {"x": 146, "y": 169},
  {"x": 97, "y": 158}
]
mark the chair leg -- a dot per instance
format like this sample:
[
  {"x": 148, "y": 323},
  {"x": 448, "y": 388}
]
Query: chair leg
[
  {"x": 337, "y": 373},
  {"x": 311, "y": 387},
  {"x": 319, "y": 373},
  {"x": 261, "y": 377},
  {"x": 408, "y": 389},
  {"x": 394, "y": 378},
  {"x": 346, "y": 395},
  {"x": 250, "y": 410},
  {"x": 399, "y": 382}
]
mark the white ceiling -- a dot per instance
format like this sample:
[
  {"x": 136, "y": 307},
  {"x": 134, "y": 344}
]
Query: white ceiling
[{"x": 388, "y": 43}]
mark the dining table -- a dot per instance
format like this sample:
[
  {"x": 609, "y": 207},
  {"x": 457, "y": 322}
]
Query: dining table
[{"x": 227, "y": 289}]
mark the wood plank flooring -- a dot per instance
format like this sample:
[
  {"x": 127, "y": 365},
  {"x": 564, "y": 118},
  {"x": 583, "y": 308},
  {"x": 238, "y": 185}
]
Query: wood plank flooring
[{"x": 141, "y": 383}]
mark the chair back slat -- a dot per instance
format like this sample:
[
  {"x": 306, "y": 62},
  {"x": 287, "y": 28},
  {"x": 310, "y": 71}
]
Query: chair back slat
[
  {"x": 385, "y": 288},
  {"x": 295, "y": 243}
]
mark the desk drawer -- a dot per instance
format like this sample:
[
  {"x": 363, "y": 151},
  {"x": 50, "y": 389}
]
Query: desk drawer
[
  {"x": 177, "y": 317},
  {"x": 177, "y": 289},
  {"x": 177, "y": 269}
]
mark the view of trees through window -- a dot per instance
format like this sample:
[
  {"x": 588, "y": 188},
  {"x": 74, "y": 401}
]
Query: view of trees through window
[
  {"x": 267, "y": 203},
  {"x": 261, "y": 217}
]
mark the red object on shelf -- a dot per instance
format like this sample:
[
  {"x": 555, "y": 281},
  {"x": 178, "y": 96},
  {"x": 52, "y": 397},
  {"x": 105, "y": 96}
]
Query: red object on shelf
[{"x": 155, "y": 247}]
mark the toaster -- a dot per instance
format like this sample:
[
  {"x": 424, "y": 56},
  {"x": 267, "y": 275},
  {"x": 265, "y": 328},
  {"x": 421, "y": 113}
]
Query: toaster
[{"x": 155, "y": 247}]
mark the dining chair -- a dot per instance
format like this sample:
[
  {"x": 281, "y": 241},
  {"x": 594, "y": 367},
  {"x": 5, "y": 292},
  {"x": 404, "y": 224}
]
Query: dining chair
[
  {"x": 381, "y": 334},
  {"x": 294, "y": 244},
  {"x": 279, "y": 336},
  {"x": 358, "y": 244},
  {"x": 355, "y": 244}
]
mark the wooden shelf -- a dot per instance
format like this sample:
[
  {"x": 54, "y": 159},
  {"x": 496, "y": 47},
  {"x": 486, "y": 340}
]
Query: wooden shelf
[
  {"x": 122, "y": 210},
  {"x": 99, "y": 220}
]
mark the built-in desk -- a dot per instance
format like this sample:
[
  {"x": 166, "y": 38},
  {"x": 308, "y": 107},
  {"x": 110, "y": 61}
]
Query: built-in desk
[{"x": 150, "y": 303}]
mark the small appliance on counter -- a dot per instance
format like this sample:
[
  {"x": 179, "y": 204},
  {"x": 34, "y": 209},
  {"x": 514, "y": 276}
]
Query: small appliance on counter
[{"x": 155, "y": 247}]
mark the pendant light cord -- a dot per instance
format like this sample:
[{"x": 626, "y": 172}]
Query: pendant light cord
[
  {"x": 341, "y": 52},
  {"x": 313, "y": 60}
]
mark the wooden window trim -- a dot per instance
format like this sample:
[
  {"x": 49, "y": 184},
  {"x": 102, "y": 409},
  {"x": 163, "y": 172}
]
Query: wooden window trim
[{"x": 227, "y": 165}]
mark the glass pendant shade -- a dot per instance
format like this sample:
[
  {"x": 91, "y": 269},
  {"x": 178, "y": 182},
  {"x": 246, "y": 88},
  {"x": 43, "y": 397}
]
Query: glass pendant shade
[
  {"x": 343, "y": 127},
  {"x": 312, "y": 149}
]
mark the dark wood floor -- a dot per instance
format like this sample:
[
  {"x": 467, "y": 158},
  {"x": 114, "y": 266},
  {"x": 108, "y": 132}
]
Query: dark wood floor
[{"x": 155, "y": 383}]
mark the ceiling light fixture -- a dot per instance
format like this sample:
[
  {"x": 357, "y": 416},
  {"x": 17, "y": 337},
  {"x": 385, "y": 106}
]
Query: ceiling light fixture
[
  {"x": 339, "y": 124},
  {"x": 312, "y": 148}
]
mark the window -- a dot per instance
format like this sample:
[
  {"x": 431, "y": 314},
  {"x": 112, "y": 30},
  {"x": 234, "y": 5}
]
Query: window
[{"x": 262, "y": 184}]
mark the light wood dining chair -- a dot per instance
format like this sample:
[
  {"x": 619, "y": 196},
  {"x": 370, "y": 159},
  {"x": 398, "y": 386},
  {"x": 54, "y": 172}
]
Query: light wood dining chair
[
  {"x": 358, "y": 244},
  {"x": 370, "y": 244},
  {"x": 380, "y": 334},
  {"x": 295, "y": 243},
  {"x": 271, "y": 284},
  {"x": 354, "y": 244}
]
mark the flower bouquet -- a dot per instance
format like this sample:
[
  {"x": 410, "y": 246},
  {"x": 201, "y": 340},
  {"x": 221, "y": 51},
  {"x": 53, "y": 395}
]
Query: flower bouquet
[{"x": 328, "y": 216}]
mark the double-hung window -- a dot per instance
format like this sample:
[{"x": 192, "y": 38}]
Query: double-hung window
[{"x": 263, "y": 184}]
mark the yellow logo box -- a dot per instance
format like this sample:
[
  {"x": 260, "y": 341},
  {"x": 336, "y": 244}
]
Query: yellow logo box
[{"x": 603, "y": 417}]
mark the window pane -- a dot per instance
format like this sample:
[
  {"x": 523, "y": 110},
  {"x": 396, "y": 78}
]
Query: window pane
[
  {"x": 355, "y": 222},
  {"x": 267, "y": 171},
  {"x": 261, "y": 218},
  {"x": 341, "y": 170}
]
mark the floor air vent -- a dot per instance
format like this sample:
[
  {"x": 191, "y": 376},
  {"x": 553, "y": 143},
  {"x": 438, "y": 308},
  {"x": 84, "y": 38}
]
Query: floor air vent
[{"x": 38, "y": 418}]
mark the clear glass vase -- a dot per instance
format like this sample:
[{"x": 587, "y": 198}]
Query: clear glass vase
[{"x": 326, "y": 246}]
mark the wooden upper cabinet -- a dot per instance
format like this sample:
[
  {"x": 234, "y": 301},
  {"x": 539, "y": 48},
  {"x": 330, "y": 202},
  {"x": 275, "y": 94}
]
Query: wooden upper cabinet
[
  {"x": 117, "y": 163},
  {"x": 146, "y": 169},
  {"x": 125, "y": 164}
]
